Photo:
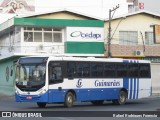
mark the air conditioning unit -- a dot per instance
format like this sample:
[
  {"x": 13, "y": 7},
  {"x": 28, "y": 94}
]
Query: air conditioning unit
[{"x": 139, "y": 53}]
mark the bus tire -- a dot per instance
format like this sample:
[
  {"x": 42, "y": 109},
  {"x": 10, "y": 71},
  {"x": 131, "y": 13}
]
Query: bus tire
[
  {"x": 97, "y": 102},
  {"x": 121, "y": 98},
  {"x": 41, "y": 104},
  {"x": 69, "y": 100}
]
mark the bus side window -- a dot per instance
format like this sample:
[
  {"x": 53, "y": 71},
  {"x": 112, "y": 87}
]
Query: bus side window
[
  {"x": 97, "y": 70},
  {"x": 83, "y": 70},
  {"x": 80, "y": 70},
  {"x": 71, "y": 70},
  {"x": 121, "y": 70},
  {"x": 133, "y": 70},
  {"x": 144, "y": 71},
  {"x": 109, "y": 70},
  {"x": 86, "y": 70},
  {"x": 55, "y": 73}
]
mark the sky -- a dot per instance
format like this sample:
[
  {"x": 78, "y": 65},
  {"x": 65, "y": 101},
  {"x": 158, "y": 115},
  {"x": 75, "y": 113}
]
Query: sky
[
  {"x": 152, "y": 5},
  {"x": 99, "y": 8},
  {"x": 95, "y": 8}
]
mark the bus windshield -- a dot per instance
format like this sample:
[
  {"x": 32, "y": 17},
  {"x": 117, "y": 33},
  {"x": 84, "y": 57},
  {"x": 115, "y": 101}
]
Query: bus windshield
[{"x": 30, "y": 76}]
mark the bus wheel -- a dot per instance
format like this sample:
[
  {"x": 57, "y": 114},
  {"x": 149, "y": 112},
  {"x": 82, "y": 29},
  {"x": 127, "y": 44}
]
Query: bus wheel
[
  {"x": 97, "y": 102},
  {"x": 41, "y": 104},
  {"x": 121, "y": 98},
  {"x": 69, "y": 99}
]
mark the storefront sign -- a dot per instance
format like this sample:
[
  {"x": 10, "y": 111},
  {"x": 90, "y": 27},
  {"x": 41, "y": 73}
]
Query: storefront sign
[{"x": 85, "y": 34}]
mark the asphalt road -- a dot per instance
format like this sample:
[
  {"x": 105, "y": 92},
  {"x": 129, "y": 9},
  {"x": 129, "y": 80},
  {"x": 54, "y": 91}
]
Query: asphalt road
[{"x": 147, "y": 104}]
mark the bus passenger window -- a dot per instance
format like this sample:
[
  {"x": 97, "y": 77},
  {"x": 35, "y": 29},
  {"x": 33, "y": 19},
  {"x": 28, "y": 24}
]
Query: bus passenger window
[
  {"x": 71, "y": 70},
  {"x": 80, "y": 70},
  {"x": 144, "y": 71},
  {"x": 83, "y": 70},
  {"x": 55, "y": 73},
  {"x": 109, "y": 70},
  {"x": 133, "y": 70},
  {"x": 86, "y": 70},
  {"x": 97, "y": 70},
  {"x": 121, "y": 70}
]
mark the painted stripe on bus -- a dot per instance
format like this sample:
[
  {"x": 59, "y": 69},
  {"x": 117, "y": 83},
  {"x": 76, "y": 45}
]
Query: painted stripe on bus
[
  {"x": 137, "y": 88},
  {"x": 135, "y": 85},
  {"x": 130, "y": 89},
  {"x": 133, "y": 88}
]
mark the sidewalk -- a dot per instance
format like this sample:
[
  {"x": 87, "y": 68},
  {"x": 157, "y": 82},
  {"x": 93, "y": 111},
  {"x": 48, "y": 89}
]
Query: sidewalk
[
  {"x": 156, "y": 94},
  {"x": 6, "y": 97}
]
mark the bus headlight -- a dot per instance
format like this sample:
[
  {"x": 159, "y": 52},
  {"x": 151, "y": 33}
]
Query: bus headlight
[
  {"x": 42, "y": 91},
  {"x": 17, "y": 92}
]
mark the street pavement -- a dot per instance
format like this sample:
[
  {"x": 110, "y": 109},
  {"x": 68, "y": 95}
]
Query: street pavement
[
  {"x": 148, "y": 104},
  {"x": 7, "y": 103}
]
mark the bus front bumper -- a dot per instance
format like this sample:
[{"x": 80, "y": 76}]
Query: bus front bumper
[{"x": 31, "y": 98}]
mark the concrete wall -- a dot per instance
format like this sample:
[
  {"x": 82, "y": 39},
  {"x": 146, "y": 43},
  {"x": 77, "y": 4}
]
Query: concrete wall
[
  {"x": 155, "y": 73},
  {"x": 140, "y": 23},
  {"x": 7, "y": 82}
]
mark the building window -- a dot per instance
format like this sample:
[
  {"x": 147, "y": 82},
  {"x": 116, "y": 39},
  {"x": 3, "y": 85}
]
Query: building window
[
  {"x": 17, "y": 34},
  {"x": 47, "y": 36},
  {"x": 11, "y": 37},
  {"x": 57, "y": 37},
  {"x": 28, "y": 36},
  {"x": 149, "y": 40},
  {"x": 42, "y": 35},
  {"x": 128, "y": 37},
  {"x": 37, "y": 36}
]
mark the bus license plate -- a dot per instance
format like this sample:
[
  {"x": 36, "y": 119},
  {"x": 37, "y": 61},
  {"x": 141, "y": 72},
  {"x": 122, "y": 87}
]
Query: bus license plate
[{"x": 29, "y": 97}]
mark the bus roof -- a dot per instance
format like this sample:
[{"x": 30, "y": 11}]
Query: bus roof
[
  {"x": 69, "y": 58},
  {"x": 98, "y": 59}
]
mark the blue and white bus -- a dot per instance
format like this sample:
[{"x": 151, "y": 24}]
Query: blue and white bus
[{"x": 46, "y": 80}]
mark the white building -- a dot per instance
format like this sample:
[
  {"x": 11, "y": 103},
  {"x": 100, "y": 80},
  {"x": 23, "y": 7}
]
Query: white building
[{"x": 62, "y": 32}]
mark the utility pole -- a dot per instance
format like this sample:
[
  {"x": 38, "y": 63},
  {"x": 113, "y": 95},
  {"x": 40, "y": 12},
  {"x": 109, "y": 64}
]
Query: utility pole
[{"x": 109, "y": 29}]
